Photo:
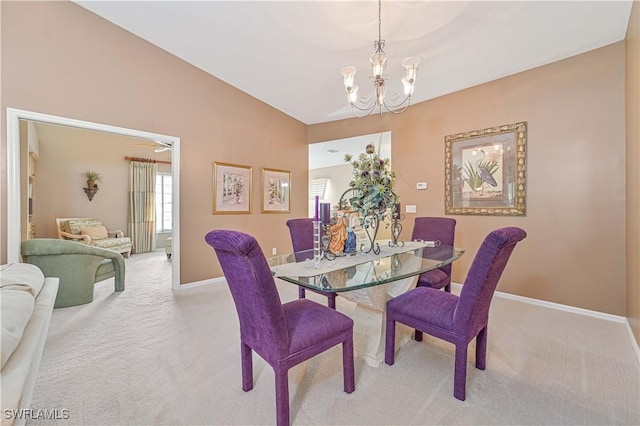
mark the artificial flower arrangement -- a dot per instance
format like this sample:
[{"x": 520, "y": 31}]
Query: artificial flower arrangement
[{"x": 372, "y": 184}]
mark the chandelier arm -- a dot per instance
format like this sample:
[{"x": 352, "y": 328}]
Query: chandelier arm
[
  {"x": 398, "y": 108},
  {"x": 369, "y": 108},
  {"x": 365, "y": 106},
  {"x": 366, "y": 111},
  {"x": 366, "y": 114}
]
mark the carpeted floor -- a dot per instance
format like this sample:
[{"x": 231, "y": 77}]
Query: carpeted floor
[{"x": 150, "y": 355}]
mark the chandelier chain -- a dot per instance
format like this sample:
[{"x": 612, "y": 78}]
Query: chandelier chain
[{"x": 379, "y": 44}]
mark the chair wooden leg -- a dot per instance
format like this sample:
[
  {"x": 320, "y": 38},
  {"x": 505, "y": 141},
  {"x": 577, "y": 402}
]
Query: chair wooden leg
[
  {"x": 301, "y": 293},
  {"x": 417, "y": 335},
  {"x": 247, "y": 367},
  {"x": 390, "y": 342},
  {"x": 331, "y": 300},
  {"x": 460, "y": 372},
  {"x": 481, "y": 349},
  {"x": 348, "y": 369},
  {"x": 282, "y": 398}
]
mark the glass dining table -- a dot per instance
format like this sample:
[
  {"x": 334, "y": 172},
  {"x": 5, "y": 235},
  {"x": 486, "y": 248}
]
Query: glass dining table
[{"x": 368, "y": 280}]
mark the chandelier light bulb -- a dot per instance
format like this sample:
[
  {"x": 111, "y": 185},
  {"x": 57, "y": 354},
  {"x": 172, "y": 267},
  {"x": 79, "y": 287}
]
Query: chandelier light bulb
[
  {"x": 348, "y": 74},
  {"x": 410, "y": 66},
  {"x": 378, "y": 64},
  {"x": 353, "y": 94},
  {"x": 408, "y": 87}
]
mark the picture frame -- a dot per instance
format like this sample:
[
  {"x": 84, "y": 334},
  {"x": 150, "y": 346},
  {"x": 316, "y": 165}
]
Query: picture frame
[
  {"x": 485, "y": 171},
  {"x": 275, "y": 191},
  {"x": 231, "y": 188}
]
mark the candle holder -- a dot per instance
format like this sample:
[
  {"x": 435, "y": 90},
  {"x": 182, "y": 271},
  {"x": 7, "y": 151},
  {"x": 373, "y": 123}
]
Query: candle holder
[
  {"x": 371, "y": 224},
  {"x": 396, "y": 229},
  {"x": 317, "y": 243}
]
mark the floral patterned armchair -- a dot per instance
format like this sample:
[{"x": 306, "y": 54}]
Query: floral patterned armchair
[{"x": 93, "y": 233}]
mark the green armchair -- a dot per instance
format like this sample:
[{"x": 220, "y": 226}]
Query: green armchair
[{"x": 77, "y": 265}]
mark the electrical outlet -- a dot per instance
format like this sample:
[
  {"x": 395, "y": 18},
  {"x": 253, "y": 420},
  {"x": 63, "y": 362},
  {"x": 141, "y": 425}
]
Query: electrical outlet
[
  {"x": 410, "y": 208},
  {"x": 274, "y": 251},
  {"x": 421, "y": 185}
]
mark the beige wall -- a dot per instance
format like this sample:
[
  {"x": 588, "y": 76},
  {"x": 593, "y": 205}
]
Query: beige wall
[
  {"x": 71, "y": 63},
  {"x": 65, "y": 154},
  {"x": 90, "y": 70},
  {"x": 574, "y": 253},
  {"x": 633, "y": 169}
]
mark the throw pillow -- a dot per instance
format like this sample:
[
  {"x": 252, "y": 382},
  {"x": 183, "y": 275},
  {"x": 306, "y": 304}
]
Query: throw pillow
[
  {"x": 76, "y": 225},
  {"x": 95, "y": 232}
]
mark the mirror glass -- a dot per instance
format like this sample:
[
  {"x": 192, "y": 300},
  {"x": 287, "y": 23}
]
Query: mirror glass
[{"x": 330, "y": 174}]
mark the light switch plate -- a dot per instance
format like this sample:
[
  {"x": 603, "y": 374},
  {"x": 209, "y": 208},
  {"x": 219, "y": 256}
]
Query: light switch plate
[
  {"x": 410, "y": 208},
  {"x": 421, "y": 185}
]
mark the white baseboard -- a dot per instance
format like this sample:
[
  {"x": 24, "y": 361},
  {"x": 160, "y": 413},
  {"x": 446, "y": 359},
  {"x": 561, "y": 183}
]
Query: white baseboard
[
  {"x": 634, "y": 342},
  {"x": 572, "y": 309},
  {"x": 195, "y": 284}
]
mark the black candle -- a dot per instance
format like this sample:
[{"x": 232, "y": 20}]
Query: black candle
[
  {"x": 325, "y": 213},
  {"x": 397, "y": 211}
]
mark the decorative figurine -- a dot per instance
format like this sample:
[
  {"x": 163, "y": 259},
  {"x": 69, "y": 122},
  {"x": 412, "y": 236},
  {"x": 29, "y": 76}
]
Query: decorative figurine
[
  {"x": 350, "y": 244},
  {"x": 338, "y": 234}
]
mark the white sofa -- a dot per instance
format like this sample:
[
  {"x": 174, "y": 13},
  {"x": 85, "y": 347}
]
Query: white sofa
[{"x": 26, "y": 304}]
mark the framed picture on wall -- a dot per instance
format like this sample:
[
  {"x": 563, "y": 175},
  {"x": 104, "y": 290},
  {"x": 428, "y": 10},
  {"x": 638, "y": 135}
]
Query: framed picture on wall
[
  {"x": 231, "y": 188},
  {"x": 485, "y": 171},
  {"x": 275, "y": 191}
]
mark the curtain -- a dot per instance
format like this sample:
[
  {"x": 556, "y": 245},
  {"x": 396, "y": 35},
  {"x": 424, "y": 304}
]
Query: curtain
[{"x": 142, "y": 205}]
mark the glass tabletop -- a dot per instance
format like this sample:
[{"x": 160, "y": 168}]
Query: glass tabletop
[{"x": 358, "y": 271}]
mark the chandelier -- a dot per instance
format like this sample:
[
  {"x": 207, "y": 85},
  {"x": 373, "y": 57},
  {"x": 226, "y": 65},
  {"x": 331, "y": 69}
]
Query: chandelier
[{"x": 366, "y": 105}]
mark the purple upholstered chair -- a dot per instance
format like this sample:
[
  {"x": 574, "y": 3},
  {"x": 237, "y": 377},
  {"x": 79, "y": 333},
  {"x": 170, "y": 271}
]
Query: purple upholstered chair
[
  {"x": 432, "y": 229},
  {"x": 284, "y": 335},
  {"x": 457, "y": 319},
  {"x": 301, "y": 231}
]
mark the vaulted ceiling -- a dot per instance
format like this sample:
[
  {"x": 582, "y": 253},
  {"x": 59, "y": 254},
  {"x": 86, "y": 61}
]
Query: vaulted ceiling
[{"x": 289, "y": 53}]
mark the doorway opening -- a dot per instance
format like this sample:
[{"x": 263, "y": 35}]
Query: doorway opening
[{"x": 17, "y": 176}]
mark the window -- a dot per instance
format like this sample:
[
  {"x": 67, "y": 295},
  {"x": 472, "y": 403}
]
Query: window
[
  {"x": 318, "y": 186},
  {"x": 163, "y": 202}
]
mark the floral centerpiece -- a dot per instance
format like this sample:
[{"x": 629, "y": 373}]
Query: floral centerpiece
[
  {"x": 371, "y": 189},
  {"x": 372, "y": 184}
]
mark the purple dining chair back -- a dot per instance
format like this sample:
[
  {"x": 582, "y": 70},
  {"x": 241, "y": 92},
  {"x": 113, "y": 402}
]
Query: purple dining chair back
[
  {"x": 457, "y": 319},
  {"x": 472, "y": 313},
  {"x": 301, "y": 231},
  {"x": 442, "y": 229},
  {"x": 254, "y": 292}
]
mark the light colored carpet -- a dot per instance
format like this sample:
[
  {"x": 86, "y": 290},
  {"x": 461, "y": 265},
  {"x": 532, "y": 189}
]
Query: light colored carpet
[{"x": 149, "y": 355}]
